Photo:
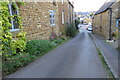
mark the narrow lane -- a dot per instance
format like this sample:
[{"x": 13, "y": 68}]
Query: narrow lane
[{"x": 77, "y": 58}]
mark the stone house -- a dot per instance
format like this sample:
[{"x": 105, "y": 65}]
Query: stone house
[
  {"x": 87, "y": 19},
  {"x": 105, "y": 19},
  {"x": 40, "y": 19},
  {"x": 66, "y": 10}
]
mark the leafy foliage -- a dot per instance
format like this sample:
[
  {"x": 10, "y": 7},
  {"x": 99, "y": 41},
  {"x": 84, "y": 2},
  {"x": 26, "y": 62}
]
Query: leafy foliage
[
  {"x": 17, "y": 53},
  {"x": 8, "y": 46},
  {"x": 36, "y": 47},
  {"x": 70, "y": 30},
  {"x": 12, "y": 64},
  {"x": 77, "y": 22}
]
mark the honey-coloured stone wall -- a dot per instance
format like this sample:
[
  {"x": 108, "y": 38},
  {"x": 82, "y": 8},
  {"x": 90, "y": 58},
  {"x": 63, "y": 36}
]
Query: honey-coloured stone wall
[{"x": 36, "y": 19}]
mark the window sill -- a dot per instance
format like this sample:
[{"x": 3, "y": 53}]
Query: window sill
[
  {"x": 13, "y": 30},
  {"x": 52, "y": 25}
]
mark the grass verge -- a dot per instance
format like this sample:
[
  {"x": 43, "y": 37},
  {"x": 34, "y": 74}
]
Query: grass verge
[
  {"x": 110, "y": 74},
  {"x": 118, "y": 49}
]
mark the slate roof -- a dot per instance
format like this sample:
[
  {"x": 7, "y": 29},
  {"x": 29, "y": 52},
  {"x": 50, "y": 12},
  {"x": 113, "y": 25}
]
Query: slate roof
[
  {"x": 105, "y": 6},
  {"x": 70, "y": 3}
]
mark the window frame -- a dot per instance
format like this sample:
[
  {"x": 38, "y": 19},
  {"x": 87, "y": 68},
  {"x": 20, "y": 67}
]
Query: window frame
[
  {"x": 63, "y": 17},
  {"x": 54, "y": 2},
  {"x": 62, "y": 1},
  {"x": 11, "y": 14},
  {"x": 117, "y": 22},
  {"x": 52, "y": 17}
]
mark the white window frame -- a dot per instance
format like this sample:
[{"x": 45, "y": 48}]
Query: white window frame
[
  {"x": 12, "y": 22},
  {"x": 63, "y": 18},
  {"x": 52, "y": 18},
  {"x": 117, "y": 22}
]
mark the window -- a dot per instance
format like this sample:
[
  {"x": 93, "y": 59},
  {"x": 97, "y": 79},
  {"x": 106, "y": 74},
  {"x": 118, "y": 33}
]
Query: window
[
  {"x": 63, "y": 21},
  {"x": 52, "y": 17},
  {"x": 68, "y": 18},
  {"x": 62, "y": 1},
  {"x": 54, "y": 3},
  {"x": 13, "y": 21},
  {"x": 100, "y": 29},
  {"x": 117, "y": 22}
]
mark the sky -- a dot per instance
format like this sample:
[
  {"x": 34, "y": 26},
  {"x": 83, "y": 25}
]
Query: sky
[{"x": 87, "y": 5}]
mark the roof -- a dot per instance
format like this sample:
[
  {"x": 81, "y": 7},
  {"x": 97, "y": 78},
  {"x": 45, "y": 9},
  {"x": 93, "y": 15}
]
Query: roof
[
  {"x": 70, "y": 3},
  {"x": 105, "y": 6}
]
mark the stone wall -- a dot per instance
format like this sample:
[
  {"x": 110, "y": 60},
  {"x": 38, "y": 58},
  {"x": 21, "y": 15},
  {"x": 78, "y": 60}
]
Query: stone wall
[
  {"x": 114, "y": 16},
  {"x": 87, "y": 20},
  {"x": 71, "y": 12},
  {"x": 36, "y": 19},
  {"x": 101, "y": 24},
  {"x": 68, "y": 14},
  {"x": 63, "y": 7}
]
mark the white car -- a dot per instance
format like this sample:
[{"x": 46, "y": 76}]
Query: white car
[{"x": 89, "y": 28}]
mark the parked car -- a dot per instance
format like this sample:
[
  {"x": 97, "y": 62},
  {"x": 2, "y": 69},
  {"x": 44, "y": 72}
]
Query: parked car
[
  {"x": 89, "y": 28},
  {"x": 85, "y": 23}
]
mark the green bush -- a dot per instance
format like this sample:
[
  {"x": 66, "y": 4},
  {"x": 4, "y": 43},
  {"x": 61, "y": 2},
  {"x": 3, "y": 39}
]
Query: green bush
[
  {"x": 36, "y": 47},
  {"x": 77, "y": 22},
  {"x": 70, "y": 30},
  {"x": 57, "y": 41},
  {"x": 10, "y": 65},
  {"x": 119, "y": 49}
]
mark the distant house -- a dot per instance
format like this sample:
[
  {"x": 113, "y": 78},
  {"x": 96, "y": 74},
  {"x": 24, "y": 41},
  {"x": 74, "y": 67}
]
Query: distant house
[
  {"x": 105, "y": 19},
  {"x": 42, "y": 19},
  {"x": 75, "y": 16},
  {"x": 87, "y": 19},
  {"x": 82, "y": 19}
]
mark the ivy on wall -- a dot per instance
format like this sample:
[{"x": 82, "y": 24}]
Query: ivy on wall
[
  {"x": 0, "y": 30},
  {"x": 8, "y": 45}
]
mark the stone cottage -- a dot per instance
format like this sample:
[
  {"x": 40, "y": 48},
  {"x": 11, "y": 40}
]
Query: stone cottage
[
  {"x": 65, "y": 10},
  {"x": 105, "y": 19},
  {"x": 40, "y": 19},
  {"x": 87, "y": 19}
]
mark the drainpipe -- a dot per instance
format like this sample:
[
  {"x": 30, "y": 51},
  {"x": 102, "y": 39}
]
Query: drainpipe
[{"x": 110, "y": 29}]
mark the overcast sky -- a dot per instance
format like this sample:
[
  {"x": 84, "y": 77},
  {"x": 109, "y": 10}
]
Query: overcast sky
[{"x": 87, "y": 5}]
